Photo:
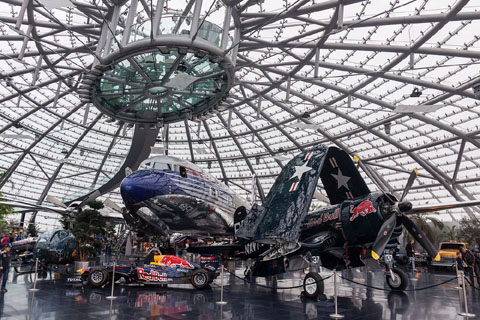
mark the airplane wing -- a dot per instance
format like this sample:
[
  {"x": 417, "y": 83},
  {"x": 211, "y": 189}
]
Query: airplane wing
[
  {"x": 340, "y": 177},
  {"x": 286, "y": 205}
]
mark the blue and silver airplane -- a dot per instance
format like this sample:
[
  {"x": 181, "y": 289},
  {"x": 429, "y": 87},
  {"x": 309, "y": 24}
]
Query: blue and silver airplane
[{"x": 167, "y": 194}]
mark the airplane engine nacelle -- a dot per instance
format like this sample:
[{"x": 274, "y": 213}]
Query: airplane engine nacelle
[{"x": 360, "y": 217}]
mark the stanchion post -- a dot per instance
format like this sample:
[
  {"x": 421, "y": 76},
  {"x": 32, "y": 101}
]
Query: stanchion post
[
  {"x": 34, "y": 289},
  {"x": 459, "y": 285},
  {"x": 221, "y": 302},
  {"x": 465, "y": 314},
  {"x": 335, "y": 315},
  {"x": 111, "y": 296}
]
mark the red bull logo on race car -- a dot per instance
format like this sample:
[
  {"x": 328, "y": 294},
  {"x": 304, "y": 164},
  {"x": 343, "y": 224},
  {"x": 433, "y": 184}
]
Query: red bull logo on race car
[
  {"x": 150, "y": 299},
  {"x": 151, "y": 276},
  {"x": 364, "y": 208},
  {"x": 172, "y": 262}
]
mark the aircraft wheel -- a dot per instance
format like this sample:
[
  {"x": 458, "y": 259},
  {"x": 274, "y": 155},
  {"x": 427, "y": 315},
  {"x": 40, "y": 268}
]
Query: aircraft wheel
[
  {"x": 399, "y": 281},
  {"x": 312, "y": 285},
  {"x": 97, "y": 277},
  {"x": 200, "y": 279}
]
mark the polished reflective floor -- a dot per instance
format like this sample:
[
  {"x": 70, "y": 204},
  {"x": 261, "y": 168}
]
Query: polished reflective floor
[{"x": 55, "y": 300}]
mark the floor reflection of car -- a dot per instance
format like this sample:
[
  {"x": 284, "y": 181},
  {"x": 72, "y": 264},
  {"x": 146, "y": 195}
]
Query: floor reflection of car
[
  {"x": 448, "y": 254},
  {"x": 147, "y": 304}
]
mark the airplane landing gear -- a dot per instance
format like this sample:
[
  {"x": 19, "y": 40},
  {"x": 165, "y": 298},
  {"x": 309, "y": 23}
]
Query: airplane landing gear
[
  {"x": 312, "y": 285},
  {"x": 396, "y": 278}
]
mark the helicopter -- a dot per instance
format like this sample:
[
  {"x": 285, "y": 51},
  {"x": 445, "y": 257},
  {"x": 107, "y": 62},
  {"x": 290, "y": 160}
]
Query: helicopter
[
  {"x": 359, "y": 226},
  {"x": 53, "y": 248}
]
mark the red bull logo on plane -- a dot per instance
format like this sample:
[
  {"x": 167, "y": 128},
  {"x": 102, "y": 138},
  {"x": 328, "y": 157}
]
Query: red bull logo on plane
[
  {"x": 331, "y": 216},
  {"x": 174, "y": 261},
  {"x": 151, "y": 276},
  {"x": 364, "y": 208}
]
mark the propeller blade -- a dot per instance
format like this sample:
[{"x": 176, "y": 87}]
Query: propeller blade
[
  {"x": 92, "y": 196},
  {"x": 410, "y": 182},
  {"x": 443, "y": 206},
  {"x": 420, "y": 237},
  {"x": 383, "y": 236},
  {"x": 112, "y": 205},
  {"x": 55, "y": 201}
]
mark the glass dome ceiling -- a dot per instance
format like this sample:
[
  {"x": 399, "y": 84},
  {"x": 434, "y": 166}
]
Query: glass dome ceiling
[{"x": 388, "y": 81}]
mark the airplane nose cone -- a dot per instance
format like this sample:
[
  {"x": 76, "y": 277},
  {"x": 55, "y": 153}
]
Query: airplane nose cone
[{"x": 141, "y": 185}]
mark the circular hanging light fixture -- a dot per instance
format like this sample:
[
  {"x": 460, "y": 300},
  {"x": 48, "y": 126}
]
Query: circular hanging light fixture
[{"x": 162, "y": 79}]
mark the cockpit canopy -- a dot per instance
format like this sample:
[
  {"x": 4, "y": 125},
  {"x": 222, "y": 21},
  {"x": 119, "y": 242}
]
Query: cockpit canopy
[{"x": 168, "y": 163}]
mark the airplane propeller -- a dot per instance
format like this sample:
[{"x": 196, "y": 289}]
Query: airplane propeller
[
  {"x": 399, "y": 214},
  {"x": 112, "y": 205},
  {"x": 54, "y": 200},
  {"x": 398, "y": 217}
]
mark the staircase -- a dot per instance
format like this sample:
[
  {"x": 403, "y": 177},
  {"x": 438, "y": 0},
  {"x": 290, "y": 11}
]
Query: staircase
[{"x": 122, "y": 237}]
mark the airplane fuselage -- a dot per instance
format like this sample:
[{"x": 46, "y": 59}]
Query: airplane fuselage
[
  {"x": 170, "y": 194},
  {"x": 355, "y": 220}
]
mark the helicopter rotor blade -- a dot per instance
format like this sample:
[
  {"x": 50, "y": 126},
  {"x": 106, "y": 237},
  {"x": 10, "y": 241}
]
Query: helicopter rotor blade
[
  {"x": 56, "y": 201},
  {"x": 383, "y": 236},
  {"x": 420, "y": 237},
  {"x": 411, "y": 180}
]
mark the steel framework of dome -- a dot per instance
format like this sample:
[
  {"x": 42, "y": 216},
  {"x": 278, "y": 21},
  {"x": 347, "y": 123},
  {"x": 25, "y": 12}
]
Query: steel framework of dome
[{"x": 388, "y": 81}]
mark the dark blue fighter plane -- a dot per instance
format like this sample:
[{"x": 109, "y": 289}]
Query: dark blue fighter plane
[{"x": 358, "y": 226}]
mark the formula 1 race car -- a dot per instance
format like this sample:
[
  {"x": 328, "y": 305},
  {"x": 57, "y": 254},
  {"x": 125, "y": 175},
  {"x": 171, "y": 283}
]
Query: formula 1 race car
[{"x": 157, "y": 269}]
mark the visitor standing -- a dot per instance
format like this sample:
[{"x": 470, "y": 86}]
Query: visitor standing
[
  {"x": 410, "y": 249},
  {"x": 473, "y": 268},
  {"x": 5, "y": 257}
]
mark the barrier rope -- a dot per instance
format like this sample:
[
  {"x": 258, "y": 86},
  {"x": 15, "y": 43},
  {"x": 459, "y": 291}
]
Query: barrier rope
[
  {"x": 278, "y": 288},
  {"x": 471, "y": 285},
  {"x": 383, "y": 289},
  {"x": 346, "y": 279}
]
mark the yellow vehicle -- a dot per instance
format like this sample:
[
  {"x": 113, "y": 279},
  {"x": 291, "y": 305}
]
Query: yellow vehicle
[{"x": 448, "y": 254}]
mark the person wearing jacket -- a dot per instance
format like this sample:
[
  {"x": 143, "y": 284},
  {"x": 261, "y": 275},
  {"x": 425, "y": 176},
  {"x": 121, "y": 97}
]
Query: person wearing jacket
[
  {"x": 5, "y": 257},
  {"x": 472, "y": 265},
  {"x": 410, "y": 250},
  {"x": 4, "y": 241}
]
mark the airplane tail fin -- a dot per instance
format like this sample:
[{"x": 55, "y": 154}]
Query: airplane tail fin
[{"x": 341, "y": 178}]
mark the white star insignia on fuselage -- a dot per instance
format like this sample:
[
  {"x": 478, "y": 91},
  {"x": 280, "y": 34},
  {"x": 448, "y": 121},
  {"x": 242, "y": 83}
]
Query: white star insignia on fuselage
[
  {"x": 300, "y": 170},
  {"x": 341, "y": 179}
]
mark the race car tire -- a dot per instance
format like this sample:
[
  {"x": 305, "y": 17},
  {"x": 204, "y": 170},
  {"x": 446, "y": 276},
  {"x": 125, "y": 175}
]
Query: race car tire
[
  {"x": 200, "y": 279},
  {"x": 97, "y": 277}
]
